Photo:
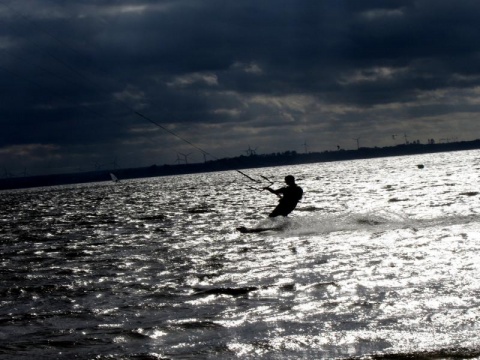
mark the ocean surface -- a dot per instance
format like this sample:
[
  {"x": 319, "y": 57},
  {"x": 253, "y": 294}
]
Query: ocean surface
[{"x": 381, "y": 260}]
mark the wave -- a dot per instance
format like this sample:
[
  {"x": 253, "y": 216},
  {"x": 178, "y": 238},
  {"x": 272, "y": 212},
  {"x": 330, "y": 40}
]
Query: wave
[
  {"x": 451, "y": 353},
  {"x": 242, "y": 291},
  {"x": 373, "y": 220},
  {"x": 324, "y": 224}
]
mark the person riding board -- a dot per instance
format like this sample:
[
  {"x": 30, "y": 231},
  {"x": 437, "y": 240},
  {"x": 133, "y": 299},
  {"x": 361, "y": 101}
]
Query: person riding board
[{"x": 290, "y": 196}]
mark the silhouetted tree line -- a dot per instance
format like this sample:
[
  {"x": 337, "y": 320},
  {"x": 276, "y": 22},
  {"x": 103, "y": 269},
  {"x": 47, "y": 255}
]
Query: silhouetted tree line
[{"x": 240, "y": 162}]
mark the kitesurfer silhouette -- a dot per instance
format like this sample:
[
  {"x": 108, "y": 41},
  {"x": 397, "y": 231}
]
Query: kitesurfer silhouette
[{"x": 290, "y": 196}]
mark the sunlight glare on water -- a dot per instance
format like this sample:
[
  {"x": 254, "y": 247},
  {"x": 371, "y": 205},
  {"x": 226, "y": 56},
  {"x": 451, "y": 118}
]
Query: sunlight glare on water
[{"x": 380, "y": 258}]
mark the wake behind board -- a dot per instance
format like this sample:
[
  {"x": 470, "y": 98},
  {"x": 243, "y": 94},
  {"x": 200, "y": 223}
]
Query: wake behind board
[{"x": 245, "y": 230}]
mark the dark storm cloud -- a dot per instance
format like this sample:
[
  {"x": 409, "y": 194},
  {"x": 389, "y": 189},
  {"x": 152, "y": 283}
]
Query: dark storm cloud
[{"x": 72, "y": 74}]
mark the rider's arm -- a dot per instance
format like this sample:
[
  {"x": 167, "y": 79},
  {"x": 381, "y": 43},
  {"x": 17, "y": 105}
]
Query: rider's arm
[
  {"x": 276, "y": 192},
  {"x": 269, "y": 189}
]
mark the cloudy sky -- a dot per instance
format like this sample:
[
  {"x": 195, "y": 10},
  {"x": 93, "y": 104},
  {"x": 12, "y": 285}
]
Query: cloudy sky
[{"x": 228, "y": 75}]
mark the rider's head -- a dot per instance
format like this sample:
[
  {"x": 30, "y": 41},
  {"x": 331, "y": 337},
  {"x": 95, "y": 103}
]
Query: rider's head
[{"x": 289, "y": 180}]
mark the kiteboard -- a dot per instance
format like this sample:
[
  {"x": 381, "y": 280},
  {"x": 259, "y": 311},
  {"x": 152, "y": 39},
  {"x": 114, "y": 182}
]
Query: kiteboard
[{"x": 245, "y": 230}]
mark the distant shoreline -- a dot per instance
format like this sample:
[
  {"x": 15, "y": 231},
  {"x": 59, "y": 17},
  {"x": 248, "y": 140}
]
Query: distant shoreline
[{"x": 237, "y": 163}]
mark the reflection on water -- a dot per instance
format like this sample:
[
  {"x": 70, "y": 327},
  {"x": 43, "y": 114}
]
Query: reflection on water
[{"x": 380, "y": 258}]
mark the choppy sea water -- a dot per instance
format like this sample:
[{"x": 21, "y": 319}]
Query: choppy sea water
[{"x": 380, "y": 260}]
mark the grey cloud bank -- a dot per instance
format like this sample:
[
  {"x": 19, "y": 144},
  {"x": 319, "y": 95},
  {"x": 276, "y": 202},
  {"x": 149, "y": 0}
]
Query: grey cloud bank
[{"x": 229, "y": 75}]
